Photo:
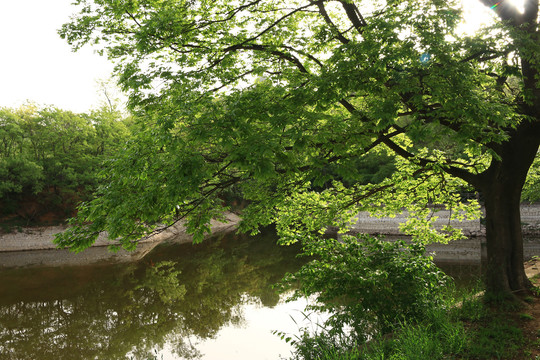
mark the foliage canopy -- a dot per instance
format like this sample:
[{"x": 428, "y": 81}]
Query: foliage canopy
[{"x": 268, "y": 95}]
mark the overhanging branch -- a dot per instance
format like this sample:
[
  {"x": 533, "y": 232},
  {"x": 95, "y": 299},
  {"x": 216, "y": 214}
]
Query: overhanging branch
[
  {"x": 326, "y": 17},
  {"x": 354, "y": 15}
]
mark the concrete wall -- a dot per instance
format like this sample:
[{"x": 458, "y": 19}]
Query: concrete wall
[
  {"x": 530, "y": 217},
  {"x": 470, "y": 250},
  {"x": 390, "y": 226}
]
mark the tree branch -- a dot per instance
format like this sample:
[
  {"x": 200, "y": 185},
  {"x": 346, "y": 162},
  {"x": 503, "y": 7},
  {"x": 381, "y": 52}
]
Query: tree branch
[
  {"x": 452, "y": 170},
  {"x": 354, "y": 15},
  {"x": 347, "y": 105},
  {"x": 275, "y": 23},
  {"x": 478, "y": 56},
  {"x": 265, "y": 48},
  {"x": 326, "y": 17}
]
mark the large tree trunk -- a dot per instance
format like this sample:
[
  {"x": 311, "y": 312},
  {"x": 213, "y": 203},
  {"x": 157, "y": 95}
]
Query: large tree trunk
[
  {"x": 501, "y": 186},
  {"x": 505, "y": 271}
]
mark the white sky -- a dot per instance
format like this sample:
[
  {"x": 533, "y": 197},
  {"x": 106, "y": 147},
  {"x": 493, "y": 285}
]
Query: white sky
[{"x": 36, "y": 65}]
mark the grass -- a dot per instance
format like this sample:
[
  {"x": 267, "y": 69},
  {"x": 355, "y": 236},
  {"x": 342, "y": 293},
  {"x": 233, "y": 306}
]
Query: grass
[
  {"x": 473, "y": 331},
  {"x": 432, "y": 339},
  {"x": 496, "y": 337},
  {"x": 525, "y": 316}
]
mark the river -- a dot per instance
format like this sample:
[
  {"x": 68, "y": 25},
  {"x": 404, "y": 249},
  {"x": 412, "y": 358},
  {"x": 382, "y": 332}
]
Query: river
[
  {"x": 210, "y": 301},
  {"x": 181, "y": 301}
]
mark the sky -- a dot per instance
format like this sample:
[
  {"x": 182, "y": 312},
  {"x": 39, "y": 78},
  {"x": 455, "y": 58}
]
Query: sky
[{"x": 37, "y": 65}]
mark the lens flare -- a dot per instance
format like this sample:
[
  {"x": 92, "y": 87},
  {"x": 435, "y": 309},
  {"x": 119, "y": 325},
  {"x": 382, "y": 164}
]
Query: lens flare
[{"x": 425, "y": 57}]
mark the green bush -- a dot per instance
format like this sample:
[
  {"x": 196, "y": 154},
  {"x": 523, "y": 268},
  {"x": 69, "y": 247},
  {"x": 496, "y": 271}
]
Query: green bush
[
  {"x": 435, "y": 338},
  {"x": 320, "y": 346},
  {"x": 369, "y": 286},
  {"x": 18, "y": 173}
]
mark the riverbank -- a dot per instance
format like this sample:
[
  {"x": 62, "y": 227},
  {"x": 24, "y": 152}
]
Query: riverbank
[
  {"x": 471, "y": 250},
  {"x": 35, "y": 247},
  {"x": 41, "y": 238}
]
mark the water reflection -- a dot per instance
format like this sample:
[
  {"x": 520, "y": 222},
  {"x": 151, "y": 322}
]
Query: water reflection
[
  {"x": 464, "y": 274},
  {"x": 176, "y": 297}
]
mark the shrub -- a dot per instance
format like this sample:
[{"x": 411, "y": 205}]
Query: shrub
[{"x": 368, "y": 285}]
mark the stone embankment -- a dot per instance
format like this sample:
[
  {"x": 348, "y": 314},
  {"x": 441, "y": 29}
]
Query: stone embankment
[
  {"x": 471, "y": 249},
  {"x": 530, "y": 218}
]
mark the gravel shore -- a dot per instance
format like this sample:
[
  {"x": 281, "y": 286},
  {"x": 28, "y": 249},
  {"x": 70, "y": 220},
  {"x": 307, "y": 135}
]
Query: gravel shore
[{"x": 41, "y": 238}]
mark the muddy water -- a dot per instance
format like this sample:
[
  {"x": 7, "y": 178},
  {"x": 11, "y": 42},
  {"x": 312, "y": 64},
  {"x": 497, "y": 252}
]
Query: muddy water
[{"x": 211, "y": 301}]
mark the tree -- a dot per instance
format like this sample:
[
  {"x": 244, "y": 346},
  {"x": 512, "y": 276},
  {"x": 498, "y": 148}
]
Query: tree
[
  {"x": 52, "y": 157},
  {"x": 267, "y": 94}
]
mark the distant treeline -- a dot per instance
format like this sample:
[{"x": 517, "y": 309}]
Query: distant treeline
[{"x": 50, "y": 159}]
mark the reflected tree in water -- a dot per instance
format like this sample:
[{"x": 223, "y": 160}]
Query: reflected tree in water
[{"x": 118, "y": 311}]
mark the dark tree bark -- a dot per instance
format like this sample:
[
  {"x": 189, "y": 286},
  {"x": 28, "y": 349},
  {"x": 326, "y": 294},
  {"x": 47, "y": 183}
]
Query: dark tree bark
[
  {"x": 505, "y": 272},
  {"x": 501, "y": 186}
]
